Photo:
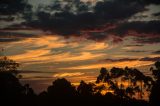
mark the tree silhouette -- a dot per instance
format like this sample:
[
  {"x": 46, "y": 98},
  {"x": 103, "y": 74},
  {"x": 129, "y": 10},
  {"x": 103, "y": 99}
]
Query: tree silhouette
[
  {"x": 104, "y": 75},
  {"x": 61, "y": 88},
  {"x": 155, "y": 91},
  {"x": 156, "y": 72},
  {"x": 130, "y": 91},
  {"x": 85, "y": 89},
  {"x": 128, "y": 74},
  {"x": 9, "y": 85},
  {"x": 155, "y": 94},
  {"x": 28, "y": 90},
  {"x": 8, "y": 65},
  {"x": 116, "y": 72}
]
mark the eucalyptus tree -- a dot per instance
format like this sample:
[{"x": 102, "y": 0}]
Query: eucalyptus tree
[
  {"x": 103, "y": 76},
  {"x": 8, "y": 65},
  {"x": 155, "y": 91}
]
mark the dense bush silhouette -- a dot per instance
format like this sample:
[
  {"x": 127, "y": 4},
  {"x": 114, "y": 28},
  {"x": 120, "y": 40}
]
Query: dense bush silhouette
[
  {"x": 155, "y": 94},
  {"x": 85, "y": 90},
  {"x": 9, "y": 85},
  {"x": 11, "y": 91},
  {"x": 61, "y": 88}
]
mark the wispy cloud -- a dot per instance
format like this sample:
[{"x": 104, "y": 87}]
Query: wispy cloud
[
  {"x": 30, "y": 55},
  {"x": 96, "y": 46},
  {"x": 119, "y": 60},
  {"x": 31, "y": 71},
  {"x": 150, "y": 59},
  {"x": 96, "y": 66},
  {"x": 137, "y": 51},
  {"x": 78, "y": 57},
  {"x": 68, "y": 74},
  {"x": 55, "y": 49}
]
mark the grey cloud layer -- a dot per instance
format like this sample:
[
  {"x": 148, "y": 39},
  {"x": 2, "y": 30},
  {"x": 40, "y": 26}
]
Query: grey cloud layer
[
  {"x": 132, "y": 59},
  {"x": 99, "y": 22}
]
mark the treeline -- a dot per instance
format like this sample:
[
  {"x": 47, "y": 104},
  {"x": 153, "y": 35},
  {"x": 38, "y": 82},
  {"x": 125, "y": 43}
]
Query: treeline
[{"x": 62, "y": 92}]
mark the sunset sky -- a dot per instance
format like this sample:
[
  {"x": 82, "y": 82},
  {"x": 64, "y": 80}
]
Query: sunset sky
[{"x": 75, "y": 38}]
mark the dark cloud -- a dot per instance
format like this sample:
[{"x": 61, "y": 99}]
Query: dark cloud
[
  {"x": 150, "y": 59},
  {"x": 11, "y": 36},
  {"x": 15, "y": 34},
  {"x": 119, "y": 60},
  {"x": 29, "y": 71},
  {"x": 67, "y": 22},
  {"x": 133, "y": 45},
  {"x": 118, "y": 9},
  {"x": 156, "y": 52},
  {"x": 64, "y": 23},
  {"x": 76, "y": 18},
  {"x": 70, "y": 23},
  {"x": 157, "y": 14},
  {"x": 140, "y": 27},
  {"x": 6, "y": 18},
  {"x": 147, "y": 2},
  {"x": 8, "y": 39},
  {"x": 78, "y": 5},
  {"x": 131, "y": 59},
  {"x": 11, "y": 8},
  {"x": 143, "y": 31},
  {"x": 151, "y": 39},
  {"x": 136, "y": 51}
]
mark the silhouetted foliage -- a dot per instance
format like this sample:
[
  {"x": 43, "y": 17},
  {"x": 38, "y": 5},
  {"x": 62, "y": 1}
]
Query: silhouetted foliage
[
  {"x": 155, "y": 92},
  {"x": 9, "y": 85},
  {"x": 61, "y": 88},
  {"x": 104, "y": 75},
  {"x": 156, "y": 72},
  {"x": 13, "y": 92},
  {"x": 116, "y": 72},
  {"x": 8, "y": 65},
  {"x": 11, "y": 89},
  {"x": 85, "y": 89}
]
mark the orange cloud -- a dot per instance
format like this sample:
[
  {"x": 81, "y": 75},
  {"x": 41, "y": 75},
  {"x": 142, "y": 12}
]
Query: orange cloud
[
  {"x": 65, "y": 57},
  {"x": 39, "y": 50},
  {"x": 68, "y": 74},
  {"x": 110, "y": 65},
  {"x": 30, "y": 54},
  {"x": 77, "y": 57},
  {"x": 42, "y": 56},
  {"x": 95, "y": 46}
]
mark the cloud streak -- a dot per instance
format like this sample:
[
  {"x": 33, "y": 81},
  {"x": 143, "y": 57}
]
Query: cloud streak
[
  {"x": 54, "y": 49},
  {"x": 150, "y": 59},
  {"x": 156, "y": 52},
  {"x": 68, "y": 74},
  {"x": 96, "y": 66}
]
